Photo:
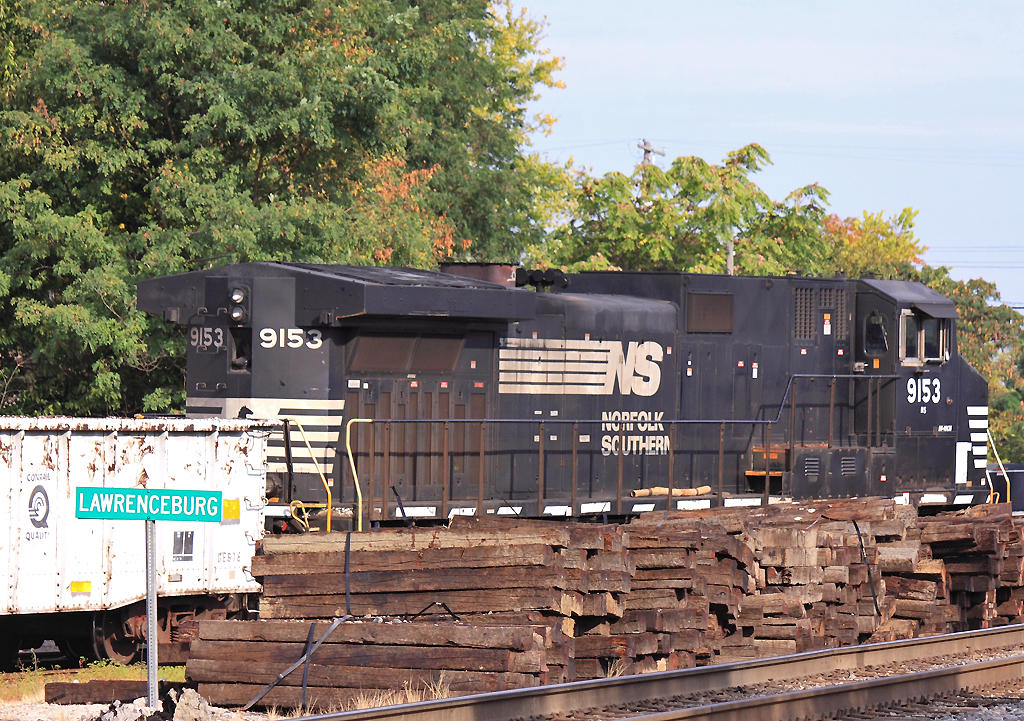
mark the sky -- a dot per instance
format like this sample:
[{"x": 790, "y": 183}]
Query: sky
[{"x": 887, "y": 105}]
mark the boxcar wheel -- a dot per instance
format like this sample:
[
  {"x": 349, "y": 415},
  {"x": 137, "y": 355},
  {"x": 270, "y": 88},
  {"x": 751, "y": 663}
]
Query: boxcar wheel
[
  {"x": 110, "y": 638},
  {"x": 76, "y": 649}
]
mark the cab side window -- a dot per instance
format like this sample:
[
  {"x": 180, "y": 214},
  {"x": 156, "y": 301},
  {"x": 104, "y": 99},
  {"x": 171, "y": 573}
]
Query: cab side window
[
  {"x": 933, "y": 335},
  {"x": 923, "y": 339},
  {"x": 876, "y": 341},
  {"x": 910, "y": 333}
]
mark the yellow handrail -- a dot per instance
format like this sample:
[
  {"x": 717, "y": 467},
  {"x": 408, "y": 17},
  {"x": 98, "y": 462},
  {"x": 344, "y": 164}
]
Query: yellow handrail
[
  {"x": 352, "y": 465},
  {"x": 1002, "y": 470},
  {"x": 316, "y": 464}
]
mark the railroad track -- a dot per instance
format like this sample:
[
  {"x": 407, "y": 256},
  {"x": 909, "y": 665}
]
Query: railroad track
[{"x": 765, "y": 689}]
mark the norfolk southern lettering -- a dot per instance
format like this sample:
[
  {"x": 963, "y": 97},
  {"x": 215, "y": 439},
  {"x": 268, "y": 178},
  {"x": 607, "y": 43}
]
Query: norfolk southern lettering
[{"x": 634, "y": 433}]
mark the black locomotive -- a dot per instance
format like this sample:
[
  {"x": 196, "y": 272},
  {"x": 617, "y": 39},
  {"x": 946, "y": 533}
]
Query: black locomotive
[{"x": 568, "y": 397}]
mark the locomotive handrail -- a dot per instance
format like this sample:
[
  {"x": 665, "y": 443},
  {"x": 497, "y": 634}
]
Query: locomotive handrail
[
  {"x": 533, "y": 421},
  {"x": 721, "y": 422},
  {"x": 991, "y": 490},
  {"x": 352, "y": 464},
  {"x": 316, "y": 464}
]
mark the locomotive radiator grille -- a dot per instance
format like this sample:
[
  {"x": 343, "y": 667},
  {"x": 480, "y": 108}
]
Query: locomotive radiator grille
[
  {"x": 804, "y": 327},
  {"x": 835, "y": 298}
]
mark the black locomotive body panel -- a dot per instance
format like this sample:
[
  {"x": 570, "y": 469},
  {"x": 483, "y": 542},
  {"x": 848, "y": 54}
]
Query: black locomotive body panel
[{"x": 460, "y": 395}]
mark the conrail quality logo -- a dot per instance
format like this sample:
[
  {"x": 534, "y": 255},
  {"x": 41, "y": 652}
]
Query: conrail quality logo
[
  {"x": 38, "y": 507},
  {"x": 550, "y": 366}
]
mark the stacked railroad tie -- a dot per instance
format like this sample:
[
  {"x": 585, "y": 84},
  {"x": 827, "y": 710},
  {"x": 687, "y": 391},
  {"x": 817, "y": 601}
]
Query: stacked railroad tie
[
  {"x": 818, "y": 579},
  {"x": 692, "y": 570},
  {"x": 484, "y": 572},
  {"x": 780, "y": 580},
  {"x": 959, "y": 571},
  {"x": 667, "y": 590},
  {"x": 233, "y": 661}
]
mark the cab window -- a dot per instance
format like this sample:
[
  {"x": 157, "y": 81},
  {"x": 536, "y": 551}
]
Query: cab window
[
  {"x": 876, "y": 341},
  {"x": 923, "y": 339}
]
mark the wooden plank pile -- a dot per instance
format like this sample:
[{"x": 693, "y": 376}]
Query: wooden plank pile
[
  {"x": 826, "y": 567},
  {"x": 784, "y": 579},
  {"x": 233, "y": 661},
  {"x": 485, "y": 572},
  {"x": 692, "y": 570},
  {"x": 957, "y": 571},
  {"x": 667, "y": 590}
]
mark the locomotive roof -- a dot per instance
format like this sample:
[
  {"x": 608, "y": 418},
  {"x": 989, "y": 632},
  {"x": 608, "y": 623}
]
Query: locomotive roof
[
  {"x": 597, "y": 310},
  {"x": 914, "y": 295},
  {"x": 344, "y": 291}
]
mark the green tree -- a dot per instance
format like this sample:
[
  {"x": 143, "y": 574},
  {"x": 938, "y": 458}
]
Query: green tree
[
  {"x": 680, "y": 218},
  {"x": 138, "y": 139},
  {"x": 871, "y": 244},
  {"x": 468, "y": 106}
]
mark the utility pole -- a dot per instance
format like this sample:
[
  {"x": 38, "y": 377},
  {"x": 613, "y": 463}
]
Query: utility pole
[{"x": 648, "y": 149}]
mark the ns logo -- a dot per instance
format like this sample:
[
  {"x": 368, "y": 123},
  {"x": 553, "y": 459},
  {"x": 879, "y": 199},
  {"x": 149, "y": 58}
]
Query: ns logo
[
  {"x": 553, "y": 366},
  {"x": 635, "y": 369}
]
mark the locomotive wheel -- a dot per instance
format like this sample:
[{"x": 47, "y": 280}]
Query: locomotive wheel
[{"x": 110, "y": 638}]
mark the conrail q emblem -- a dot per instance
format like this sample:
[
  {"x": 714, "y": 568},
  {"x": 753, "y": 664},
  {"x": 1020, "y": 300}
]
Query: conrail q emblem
[{"x": 38, "y": 507}]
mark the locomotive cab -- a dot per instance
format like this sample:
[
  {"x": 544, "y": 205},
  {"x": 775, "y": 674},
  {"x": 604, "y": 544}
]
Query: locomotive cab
[{"x": 926, "y": 425}]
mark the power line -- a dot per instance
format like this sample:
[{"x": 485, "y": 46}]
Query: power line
[{"x": 928, "y": 155}]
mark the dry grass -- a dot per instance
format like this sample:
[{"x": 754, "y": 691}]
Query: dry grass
[
  {"x": 437, "y": 689},
  {"x": 375, "y": 698},
  {"x": 619, "y": 667},
  {"x": 29, "y": 686}
]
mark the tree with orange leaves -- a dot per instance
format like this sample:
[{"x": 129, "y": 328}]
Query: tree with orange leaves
[
  {"x": 871, "y": 245},
  {"x": 143, "y": 138}
]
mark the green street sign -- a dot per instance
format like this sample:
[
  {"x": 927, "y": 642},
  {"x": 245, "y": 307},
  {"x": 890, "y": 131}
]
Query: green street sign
[{"x": 148, "y": 504}]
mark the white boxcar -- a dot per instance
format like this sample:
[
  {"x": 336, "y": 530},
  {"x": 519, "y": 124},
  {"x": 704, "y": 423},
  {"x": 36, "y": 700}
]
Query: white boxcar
[{"x": 84, "y": 581}]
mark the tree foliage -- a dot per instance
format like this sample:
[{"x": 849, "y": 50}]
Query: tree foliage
[
  {"x": 872, "y": 244},
  {"x": 680, "y": 218},
  {"x": 138, "y": 139}
]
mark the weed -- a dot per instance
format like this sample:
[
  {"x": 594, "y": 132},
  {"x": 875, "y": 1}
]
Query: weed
[{"x": 29, "y": 686}]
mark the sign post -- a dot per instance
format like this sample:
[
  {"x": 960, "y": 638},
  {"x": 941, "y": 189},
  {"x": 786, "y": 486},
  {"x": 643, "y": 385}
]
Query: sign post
[
  {"x": 152, "y": 642},
  {"x": 149, "y": 505}
]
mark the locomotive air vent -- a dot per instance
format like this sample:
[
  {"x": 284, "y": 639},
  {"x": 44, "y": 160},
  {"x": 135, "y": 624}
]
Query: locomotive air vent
[
  {"x": 812, "y": 468},
  {"x": 834, "y": 299},
  {"x": 803, "y": 313},
  {"x": 848, "y": 466}
]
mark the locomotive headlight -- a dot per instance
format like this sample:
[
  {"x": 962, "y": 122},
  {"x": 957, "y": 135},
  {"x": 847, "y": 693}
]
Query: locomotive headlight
[{"x": 238, "y": 310}]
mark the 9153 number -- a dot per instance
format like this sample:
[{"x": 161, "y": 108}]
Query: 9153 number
[
  {"x": 204, "y": 337},
  {"x": 290, "y": 338},
  {"x": 923, "y": 390}
]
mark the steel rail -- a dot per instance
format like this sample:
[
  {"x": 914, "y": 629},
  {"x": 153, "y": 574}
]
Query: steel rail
[
  {"x": 518, "y": 703},
  {"x": 823, "y": 701}
]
